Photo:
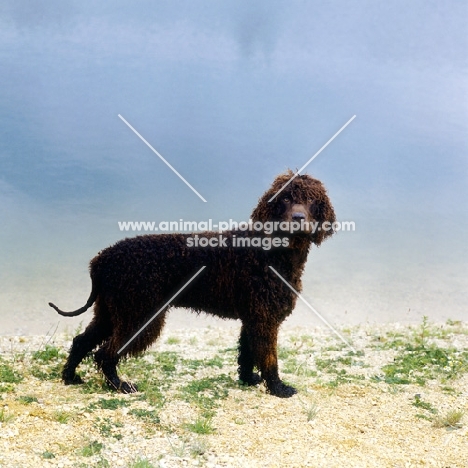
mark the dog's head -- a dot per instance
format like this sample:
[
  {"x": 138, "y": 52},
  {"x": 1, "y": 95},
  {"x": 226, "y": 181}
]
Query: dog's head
[{"x": 303, "y": 200}]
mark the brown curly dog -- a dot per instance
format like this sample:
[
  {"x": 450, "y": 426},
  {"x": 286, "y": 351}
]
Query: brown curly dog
[{"x": 134, "y": 278}]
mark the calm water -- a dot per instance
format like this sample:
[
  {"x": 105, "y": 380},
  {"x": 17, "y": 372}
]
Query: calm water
[{"x": 233, "y": 94}]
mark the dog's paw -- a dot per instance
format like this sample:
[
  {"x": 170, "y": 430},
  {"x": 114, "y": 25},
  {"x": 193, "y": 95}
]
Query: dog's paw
[
  {"x": 127, "y": 387},
  {"x": 281, "y": 390},
  {"x": 72, "y": 380},
  {"x": 252, "y": 379}
]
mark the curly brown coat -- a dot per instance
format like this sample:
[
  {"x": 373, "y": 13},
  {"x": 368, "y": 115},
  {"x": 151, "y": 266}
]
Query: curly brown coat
[{"x": 134, "y": 278}]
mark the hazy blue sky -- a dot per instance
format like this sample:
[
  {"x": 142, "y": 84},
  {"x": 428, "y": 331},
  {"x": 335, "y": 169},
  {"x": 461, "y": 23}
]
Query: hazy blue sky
[{"x": 232, "y": 93}]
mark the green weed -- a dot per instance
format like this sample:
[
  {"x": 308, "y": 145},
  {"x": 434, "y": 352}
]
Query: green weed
[
  {"x": 418, "y": 403},
  {"x": 202, "y": 425},
  {"x": 194, "y": 364},
  {"x": 108, "y": 403},
  {"x": 141, "y": 463},
  {"x": 294, "y": 366},
  {"x": 207, "y": 392},
  {"x": 146, "y": 415},
  {"x": 173, "y": 340},
  {"x": 8, "y": 374},
  {"x": 417, "y": 364},
  {"x": 50, "y": 353},
  {"x": 5, "y": 417},
  {"x": 108, "y": 428},
  {"x": 451, "y": 420},
  {"x": 48, "y": 372},
  {"x": 93, "y": 448},
  {"x": 166, "y": 361},
  {"x": 63, "y": 417},
  {"x": 311, "y": 411},
  {"x": 26, "y": 399}
]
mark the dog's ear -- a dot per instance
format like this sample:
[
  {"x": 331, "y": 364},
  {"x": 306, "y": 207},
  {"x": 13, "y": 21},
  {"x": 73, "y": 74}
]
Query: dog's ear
[
  {"x": 267, "y": 210},
  {"x": 322, "y": 212}
]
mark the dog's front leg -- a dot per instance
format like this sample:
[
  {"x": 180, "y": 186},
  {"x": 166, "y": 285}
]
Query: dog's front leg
[{"x": 258, "y": 347}]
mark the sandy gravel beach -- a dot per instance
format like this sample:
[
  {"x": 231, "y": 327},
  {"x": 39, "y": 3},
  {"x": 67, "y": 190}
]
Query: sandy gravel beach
[{"x": 400, "y": 401}]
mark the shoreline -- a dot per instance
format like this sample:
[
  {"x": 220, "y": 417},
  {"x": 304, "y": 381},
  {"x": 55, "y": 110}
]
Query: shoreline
[{"x": 350, "y": 409}]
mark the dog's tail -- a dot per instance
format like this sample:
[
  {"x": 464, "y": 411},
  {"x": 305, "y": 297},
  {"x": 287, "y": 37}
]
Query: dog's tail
[{"x": 81, "y": 310}]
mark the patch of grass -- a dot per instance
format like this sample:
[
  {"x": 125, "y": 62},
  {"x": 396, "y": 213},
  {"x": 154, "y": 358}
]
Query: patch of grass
[
  {"x": 342, "y": 377},
  {"x": 335, "y": 365},
  {"x": 391, "y": 380},
  {"x": 94, "y": 384},
  {"x": 195, "y": 364},
  {"x": 214, "y": 342},
  {"x": 144, "y": 368},
  {"x": 62, "y": 416},
  {"x": 452, "y": 327},
  {"x": 146, "y": 415},
  {"x": 173, "y": 340},
  {"x": 311, "y": 411},
  {"x": 451, "y": 420},
  {"x": 8, "y": 374},
  {"x": 421, "y": 336},
  {"x": 109, "y": 404},
  {"x": 93, "y": 448},
  {"x": 47, "y": 372},
  {"x": 141, "y": 463},
  {"x": 47, "y": 455},
  {"x": 94, "y": 381},
  {"x": 7, "y": 388},
  {"x": 108, "y": 428},
  {"x": 5, "y": 417},
  {"x": 417, "y": 364},
  {"x": 424, "y": 416},
  {"x": 50, "y": 353},
  {"x": 167, "y": 361},
  {"x": 27, "y": 399},
  {"x": 207, "y": 392},
  {"x": 418, "y": 360},
  {"x": 454, "y": 323},
  {"x": 202, "y": 425},
  {"x": 449, "y": 390},
  {"x": 390, "y": 341},
  {"x": 293, "y": 366},
  {"x": 217, "y": 361},
  {"x": 418, "y": 403},
  {"x": 330, "y": 364},
  {"x": 302, "y": 342},
  {"x": 335, "y": 347},
  {"x": 285, "y": 353},
  {"x": 102, "y": 463},
  {"x": 150, "y": 391}
]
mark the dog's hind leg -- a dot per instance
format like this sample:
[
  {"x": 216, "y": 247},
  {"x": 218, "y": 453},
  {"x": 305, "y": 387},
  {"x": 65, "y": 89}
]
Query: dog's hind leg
[
  {"x": 96, "y": 332},
  {"x": 262, "y": 341},
  {"x": 107, "y": 356},
  {"x": 246, "y": 360},
  {"x": 107, "y": 361}
]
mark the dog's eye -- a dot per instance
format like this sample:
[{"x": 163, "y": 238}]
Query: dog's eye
[{"x": 286, "y": 200}]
